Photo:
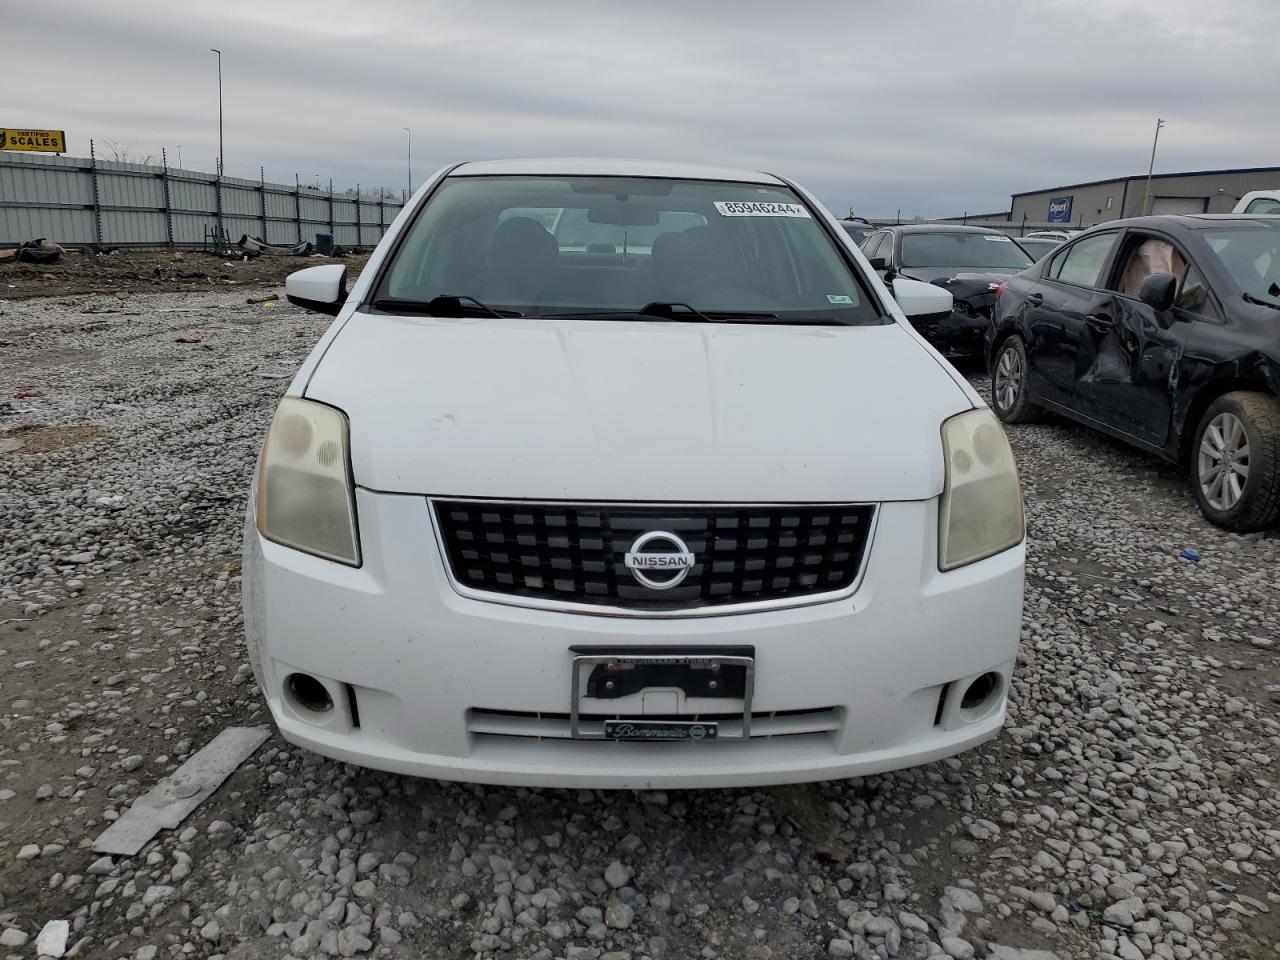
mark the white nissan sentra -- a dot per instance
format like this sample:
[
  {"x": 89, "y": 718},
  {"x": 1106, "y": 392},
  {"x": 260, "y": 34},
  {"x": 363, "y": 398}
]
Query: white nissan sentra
[{"x": 629, "y": 474}]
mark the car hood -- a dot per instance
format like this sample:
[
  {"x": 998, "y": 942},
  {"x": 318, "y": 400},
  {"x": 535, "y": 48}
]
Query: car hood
[
  {"x": 609, "y": 410},
  {"x": 933, "y": 274}
]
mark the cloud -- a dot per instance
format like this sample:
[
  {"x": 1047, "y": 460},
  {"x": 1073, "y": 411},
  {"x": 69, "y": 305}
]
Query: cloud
[{"x": 929, "y": 107}]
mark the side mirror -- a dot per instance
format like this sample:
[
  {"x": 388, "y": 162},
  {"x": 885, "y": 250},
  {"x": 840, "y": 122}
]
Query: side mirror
[
  {"x": 879, "y": 263},
  {"x": 919, "y": 299},
  {"x": 322, "y": 289},
  {"x": 1159, "y": 291}
]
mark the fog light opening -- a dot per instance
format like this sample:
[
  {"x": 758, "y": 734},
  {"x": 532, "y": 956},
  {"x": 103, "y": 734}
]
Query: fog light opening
[
  {"x": 353, "y": 706},
  {"x": 942, "y": 703},
  {"x": 981, "y": 692},
  {"x": 308, "y": 693}
]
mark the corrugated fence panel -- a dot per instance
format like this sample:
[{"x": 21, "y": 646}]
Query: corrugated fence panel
[
  {"x": 30, "y": 223},
  {"x": 188, "y": 228},
  {"x": 193, "y": 196},
  {"x": 133, "y": 227},
  {"x": 30, "y": 185},
  {"x": 280, "y": 205},
  {"x": 313, "y": 209},
  {"x": 118, "y": 191},
  {"x": 237, "y": 200},
  {"x": 237, "y": 227},
  {"x": 281, "y": 231},
  {"x": 52, "y": 196}
]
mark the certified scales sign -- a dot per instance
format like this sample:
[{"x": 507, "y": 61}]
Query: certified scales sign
[{"x": 40, "y": 141}]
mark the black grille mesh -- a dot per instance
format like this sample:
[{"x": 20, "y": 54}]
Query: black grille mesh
[{"x": 575, "y": 552}]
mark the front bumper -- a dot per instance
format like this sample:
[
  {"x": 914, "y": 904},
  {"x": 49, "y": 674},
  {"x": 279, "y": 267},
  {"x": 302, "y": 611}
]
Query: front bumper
[
  {"x": 958, "y": 333},
  {"x": 427, "y": 682}
]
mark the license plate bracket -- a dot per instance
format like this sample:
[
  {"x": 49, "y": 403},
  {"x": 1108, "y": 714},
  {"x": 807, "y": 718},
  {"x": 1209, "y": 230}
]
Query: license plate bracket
[{"x": 605, "y": 676}]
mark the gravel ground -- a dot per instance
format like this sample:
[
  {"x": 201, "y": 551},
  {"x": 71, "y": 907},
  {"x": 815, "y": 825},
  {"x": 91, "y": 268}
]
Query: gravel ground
[{"x": 1128, "y": 810}]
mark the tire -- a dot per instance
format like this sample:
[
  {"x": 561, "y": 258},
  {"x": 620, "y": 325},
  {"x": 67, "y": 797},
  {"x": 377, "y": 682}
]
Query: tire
[
  {"x": 1009, "y": 383},
  {"x": 1233, "y": 498}
]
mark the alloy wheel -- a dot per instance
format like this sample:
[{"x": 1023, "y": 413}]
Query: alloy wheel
[
  {"x": 1008, "y": 378},
  {"x": 1224, "y": 461}
]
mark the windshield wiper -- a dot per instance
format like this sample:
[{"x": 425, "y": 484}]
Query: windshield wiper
[
  {"x": 445, "y": 305},
  {"x": 663, "y": 311},
  {"x": 667, "y": 311},
  {"x": 1249, "y": 297}
]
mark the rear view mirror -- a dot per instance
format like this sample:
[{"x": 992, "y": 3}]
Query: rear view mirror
[
  {"x": 622, "y": 213},
  {"x": 1159, "y": 291},
  {"x": 322, "y": 289},
  {"x": 918, "y": 299}
]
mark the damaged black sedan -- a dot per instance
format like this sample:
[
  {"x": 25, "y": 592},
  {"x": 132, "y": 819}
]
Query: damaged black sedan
[
  {"x": 1164, "y": 332},
  {"x": 968, "y": 262}
]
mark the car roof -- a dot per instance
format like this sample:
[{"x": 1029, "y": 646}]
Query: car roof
[
  {"x": 1187, "y": 221},
  {"x": 939, "y": 228},
  {"x": 605, "y": 167}
]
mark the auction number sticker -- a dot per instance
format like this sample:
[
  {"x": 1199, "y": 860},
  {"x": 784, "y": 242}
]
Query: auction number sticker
[
  {"x": 838, "y": 298},
  {"x": 1000, "y": 239},
  {"x": 760, "y": 208}
]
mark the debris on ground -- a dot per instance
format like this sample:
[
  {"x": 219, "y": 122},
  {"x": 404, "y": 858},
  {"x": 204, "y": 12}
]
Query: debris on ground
[
  {"x": 150, "y": 271},
  {"x": 42, "y": 251},
  {"x": 256, "y": 246},
  {"x": 51, "y": 941},
  {"x": 194, "y": 336},
  {"x": 174, "y": 798}
]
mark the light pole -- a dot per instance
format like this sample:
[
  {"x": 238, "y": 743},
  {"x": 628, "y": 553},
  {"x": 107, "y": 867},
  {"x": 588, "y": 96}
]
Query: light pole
[
  {"x": 410, "y": 161},
  {"x": 1146, "y": 200},
  {"x": 220, "y": 159},
  {"x": 179, "y": 156}
]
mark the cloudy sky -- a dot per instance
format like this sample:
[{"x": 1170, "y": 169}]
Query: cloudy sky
[{"x": 935, "y": 108}]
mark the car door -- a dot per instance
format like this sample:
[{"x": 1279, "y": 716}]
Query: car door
[
  {"x": 1068, "y": 292},
  {"x": 1133, "y": 350}
]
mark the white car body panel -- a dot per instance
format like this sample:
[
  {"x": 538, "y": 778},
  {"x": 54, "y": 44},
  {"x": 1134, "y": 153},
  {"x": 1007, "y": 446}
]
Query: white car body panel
[
  {"x": 423, "y": 661},
  {"x": 645, "y": 411},
  {"x": 429, "y": 681},
  {"x": 1242, "y": 205}
]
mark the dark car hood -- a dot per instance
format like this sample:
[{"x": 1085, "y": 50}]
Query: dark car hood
[{"x": 934, "y": 274}]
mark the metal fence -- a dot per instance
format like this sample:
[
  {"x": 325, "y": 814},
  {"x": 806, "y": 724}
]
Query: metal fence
[{"x": 79, "y": 201}]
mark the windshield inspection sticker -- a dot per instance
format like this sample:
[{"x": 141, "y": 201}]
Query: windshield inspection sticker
[
  {"x": 760, "y": 208},
  {"x": 1000, "y": 239},
  {"x": 836, "y": 298}
]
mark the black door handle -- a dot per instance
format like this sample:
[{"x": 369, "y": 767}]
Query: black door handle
[
  {"x": 1035, "y": 299},
  {"x": 1100, "y": 322}
]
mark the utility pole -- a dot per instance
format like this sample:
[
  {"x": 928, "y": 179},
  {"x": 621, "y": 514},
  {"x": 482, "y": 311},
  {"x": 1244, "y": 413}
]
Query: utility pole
[
  {"x": 409, "y": 181},
  {"x": 220, "y": 158},
  {"x": 1146, "y": 200}
]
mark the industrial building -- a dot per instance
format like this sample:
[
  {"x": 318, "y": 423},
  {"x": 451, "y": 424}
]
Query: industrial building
[{"x": 1084, "y": 204}]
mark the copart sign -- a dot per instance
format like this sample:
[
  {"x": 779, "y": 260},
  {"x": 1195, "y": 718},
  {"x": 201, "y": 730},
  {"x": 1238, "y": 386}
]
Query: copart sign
[{"x": 41, "y": 141}]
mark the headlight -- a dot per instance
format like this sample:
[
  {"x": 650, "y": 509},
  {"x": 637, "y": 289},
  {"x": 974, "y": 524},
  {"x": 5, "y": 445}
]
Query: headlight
[
  {"x": 305, "y": 498},
  {"x": 981, "y": 509}
]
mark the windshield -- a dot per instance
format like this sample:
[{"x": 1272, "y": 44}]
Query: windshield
[
  {"x": 607, "y": 246},
  {"x": 1251, "y": 254},
  {"x": 962, "y": 250}
]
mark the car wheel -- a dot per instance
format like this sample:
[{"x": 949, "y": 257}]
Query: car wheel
[
  {"x": 1235, "y": 461},
  {"x": 1009, "y": 384}
]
